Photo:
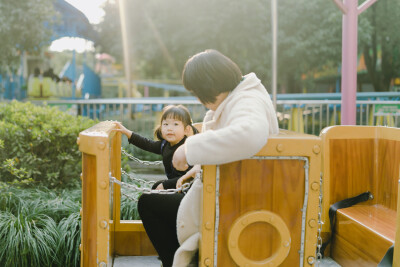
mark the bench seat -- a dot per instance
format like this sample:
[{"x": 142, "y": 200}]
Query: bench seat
[{"x": 363, "y": 234}]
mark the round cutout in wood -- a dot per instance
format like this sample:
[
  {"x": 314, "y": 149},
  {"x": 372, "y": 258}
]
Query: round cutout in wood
[{"x": 261, "y": 216}]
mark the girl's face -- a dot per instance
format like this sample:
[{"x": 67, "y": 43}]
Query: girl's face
[{"x": 173, "y": 130}]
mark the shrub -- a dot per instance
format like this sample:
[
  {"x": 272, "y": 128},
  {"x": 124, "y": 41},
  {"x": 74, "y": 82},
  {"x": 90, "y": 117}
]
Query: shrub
[
  {"x": 39, "y": 227},
  {"x": 28, "y": 238},
  {"x": 129, "y": 209},
  {"x": 38, "y": 144},
  {"x": 70, "y": 239}
]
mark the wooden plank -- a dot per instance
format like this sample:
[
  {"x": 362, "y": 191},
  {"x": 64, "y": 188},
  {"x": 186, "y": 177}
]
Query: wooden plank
[
  {"x": 133, "y": 244},
  {"x": 388, "y": 160},
  {"x": 396, "y": 252},
  {"x": 115, "y": 166},
  {"x": 287, "y": 202},
  {"x": 369, "y": 229},
  {"x": 249, "y": 185},
  {"x": 131, "y": 239},
  {"x": 352, "y": 168},
  {"x": 206, "y": 250},
  {"x": 347, "y": 255},
  {"x": 89, "y": 210}
]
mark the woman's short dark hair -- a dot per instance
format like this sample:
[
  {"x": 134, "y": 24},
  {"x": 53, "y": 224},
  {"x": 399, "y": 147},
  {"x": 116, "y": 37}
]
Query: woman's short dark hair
[
  {"x": 210, "y": 73},
  {"x": 180, "y": 113}
]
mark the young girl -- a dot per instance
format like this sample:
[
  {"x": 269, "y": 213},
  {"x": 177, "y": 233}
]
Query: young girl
[{"x": 176, "y": 126}]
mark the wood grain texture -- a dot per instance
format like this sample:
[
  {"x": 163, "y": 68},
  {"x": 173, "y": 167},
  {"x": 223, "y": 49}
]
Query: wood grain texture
[
  {"x": 396, "y": 252},
  {"x": 347, "y": 255},
  {"x": 133, "y": 244},
  {"x": 360, "y": 159},
  {"x": 388, "y": 160},
  {"x": 370, "y": 229},
  {"x": 352, "y": 168},
  {"x": 115, "y": 167},
  {"x": 274, "y": 185},
  {"x": 89, "y": 208},
  {"x": 206, "y": 250}
]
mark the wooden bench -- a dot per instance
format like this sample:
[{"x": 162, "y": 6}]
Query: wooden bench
[{"x": 357, "y": 159}]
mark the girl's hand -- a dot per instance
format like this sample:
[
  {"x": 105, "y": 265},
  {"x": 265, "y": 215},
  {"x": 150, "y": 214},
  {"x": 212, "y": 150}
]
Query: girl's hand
[
  {"x": 123, "y": 130},
  {"x": 188, "y": 175},
  {"x": 160, "y": 187},
  {"x": 179, "y": 159}
]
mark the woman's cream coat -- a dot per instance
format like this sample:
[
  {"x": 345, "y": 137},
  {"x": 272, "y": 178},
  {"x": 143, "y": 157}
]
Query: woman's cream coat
[{"x": 236, "y": 130}]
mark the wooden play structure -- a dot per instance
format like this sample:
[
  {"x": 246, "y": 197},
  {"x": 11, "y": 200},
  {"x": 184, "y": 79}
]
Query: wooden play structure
[{"x": 268, "y": 210}]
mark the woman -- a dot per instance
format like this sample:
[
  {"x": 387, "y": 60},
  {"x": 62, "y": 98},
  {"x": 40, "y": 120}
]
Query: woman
[{"x": 240, "y": 119}]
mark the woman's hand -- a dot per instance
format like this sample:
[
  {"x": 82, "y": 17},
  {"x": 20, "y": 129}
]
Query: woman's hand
[
  {"x": 187, "y": 176},
  {"x": 123, "y": 130},
  {"x": 179, "y": 159}
]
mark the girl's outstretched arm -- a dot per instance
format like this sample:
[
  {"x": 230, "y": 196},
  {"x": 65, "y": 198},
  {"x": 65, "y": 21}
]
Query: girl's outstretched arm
[{"x": 139, "y": 141}]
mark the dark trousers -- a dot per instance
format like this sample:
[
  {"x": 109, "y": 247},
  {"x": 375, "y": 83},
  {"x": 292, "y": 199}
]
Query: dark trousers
[
  {"x": 158, "y": 213},
  {"x": 168, "y": 184}
]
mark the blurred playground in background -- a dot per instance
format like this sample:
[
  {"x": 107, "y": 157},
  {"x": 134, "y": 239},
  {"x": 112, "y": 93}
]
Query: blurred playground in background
[{"x": 95, "y": 84}]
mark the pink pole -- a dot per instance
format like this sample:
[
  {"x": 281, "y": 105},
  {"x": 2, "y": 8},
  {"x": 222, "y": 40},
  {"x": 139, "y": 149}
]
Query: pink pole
[
  {"x": 350, "y": 12},
  {"x": 349, "y": 62}
]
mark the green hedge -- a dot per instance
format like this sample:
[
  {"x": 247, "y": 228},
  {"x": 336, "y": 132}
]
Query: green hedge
[{"x": 38, "y": 144}]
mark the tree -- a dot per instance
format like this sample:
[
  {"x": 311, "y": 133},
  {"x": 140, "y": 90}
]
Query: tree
[
  {"x": 22, "y": 28},
  {"x": 382, "y": 52},
  {"x": 109, "y": 37},
  {"x": 164, "y": 34}
]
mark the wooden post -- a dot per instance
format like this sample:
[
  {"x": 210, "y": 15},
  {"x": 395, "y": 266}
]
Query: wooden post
[
  {"x": 98, "y": 145},
  {"x": 396, "y": 253}
]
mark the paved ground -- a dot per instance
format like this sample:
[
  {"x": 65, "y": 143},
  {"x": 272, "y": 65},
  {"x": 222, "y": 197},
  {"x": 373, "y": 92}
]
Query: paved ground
[
  {"x": 328, "y": 262},
  {"x": 152, "y": 261},
  {"x": 138, "y": 261}
]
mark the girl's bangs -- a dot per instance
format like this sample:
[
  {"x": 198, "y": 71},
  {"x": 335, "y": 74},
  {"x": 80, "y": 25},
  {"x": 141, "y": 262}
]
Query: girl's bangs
[{"x": 174, "y": 113}]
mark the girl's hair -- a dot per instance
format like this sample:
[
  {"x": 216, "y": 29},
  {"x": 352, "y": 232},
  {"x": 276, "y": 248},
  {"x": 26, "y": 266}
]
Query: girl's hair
[
  {"x": 178, "y": 112},
  {"x": 210, "y": 73}
]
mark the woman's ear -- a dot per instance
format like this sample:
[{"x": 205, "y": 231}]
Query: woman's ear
[{"x": 189, "y": 130}]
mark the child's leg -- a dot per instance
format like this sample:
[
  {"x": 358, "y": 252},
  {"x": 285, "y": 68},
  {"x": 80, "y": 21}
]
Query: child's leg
[
  {"x": 167, "y": 184},
  {"x": 158, "y": 213}
]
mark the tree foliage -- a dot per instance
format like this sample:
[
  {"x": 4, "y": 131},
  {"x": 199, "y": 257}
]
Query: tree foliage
[
  {"x": 163, "y": 34},
  {"x": 22, "y": 28},
  {"x": 382, "y": 52}
]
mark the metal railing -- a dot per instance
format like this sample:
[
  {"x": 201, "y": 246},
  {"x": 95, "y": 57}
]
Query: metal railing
[{"x": 307, "y": 116}]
